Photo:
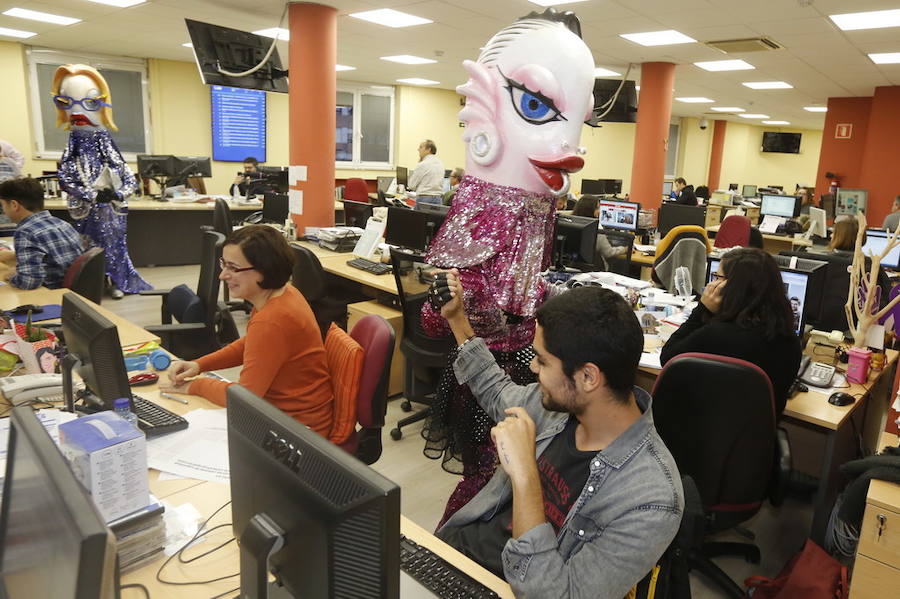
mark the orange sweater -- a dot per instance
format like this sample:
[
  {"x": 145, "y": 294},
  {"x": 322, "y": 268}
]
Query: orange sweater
[{"x": 284, "y": 362}]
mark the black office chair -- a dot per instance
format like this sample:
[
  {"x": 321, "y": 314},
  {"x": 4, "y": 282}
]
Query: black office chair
[
  {"x": 223, "y": 224},
  {"x": 204, "y": 324},
  {"x": 327, "y": 300},
  {"x": 621, "y": 263},
  {"x": 728, "y": 444},
  {"x": 426, "y": 357}
]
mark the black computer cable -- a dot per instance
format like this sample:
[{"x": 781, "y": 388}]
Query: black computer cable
[
  {"x": 200, "y": 532},
  {"x": 136, "y": 586}
]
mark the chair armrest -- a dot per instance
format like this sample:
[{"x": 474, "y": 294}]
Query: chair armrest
[
  {"x": 165, "y": 316},
  {"x": 150, "y": 292},
  {"x": 181, "y": 327}
]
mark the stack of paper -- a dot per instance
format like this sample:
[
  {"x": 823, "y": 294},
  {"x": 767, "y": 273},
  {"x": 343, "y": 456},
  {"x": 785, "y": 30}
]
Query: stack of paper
[{"x": 200, "y": 451}]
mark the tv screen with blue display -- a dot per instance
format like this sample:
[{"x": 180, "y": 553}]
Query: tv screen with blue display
[{"x": 238, "y": 123}]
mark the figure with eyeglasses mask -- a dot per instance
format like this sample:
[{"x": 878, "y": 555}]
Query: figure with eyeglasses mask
[{"x": 93, "y": 172}]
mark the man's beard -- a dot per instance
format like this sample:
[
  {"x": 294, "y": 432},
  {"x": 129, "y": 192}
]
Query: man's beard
[{"x": 564, "y": 401}]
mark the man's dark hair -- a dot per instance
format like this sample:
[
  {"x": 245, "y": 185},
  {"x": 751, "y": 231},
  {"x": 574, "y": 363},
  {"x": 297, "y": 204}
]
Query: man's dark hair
[
  {"x": 251, "y": 160},
  {"x": 25, "y": 190},
  {"x": 430, "y": 145},
  {"x": 681, "y": 180},
  {"x": 267, "y": 251},
  {"x": 753, "y": 296},
  {"x": 596, "y": 325}
]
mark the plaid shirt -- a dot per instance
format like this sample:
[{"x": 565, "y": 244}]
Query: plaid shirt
[{"x": 45, "y": 247}]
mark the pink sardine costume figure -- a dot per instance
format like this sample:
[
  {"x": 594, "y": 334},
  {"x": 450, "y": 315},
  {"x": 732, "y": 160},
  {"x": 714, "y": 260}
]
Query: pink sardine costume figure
[{"x": 528, "y": 95}]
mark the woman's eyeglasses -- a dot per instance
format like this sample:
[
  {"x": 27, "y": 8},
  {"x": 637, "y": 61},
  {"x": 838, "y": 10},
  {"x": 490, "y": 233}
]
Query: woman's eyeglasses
[
  {"x": 89, "y": 104},
  {"x": 229, "y": 267},
  {"x": 718, "y": 277}
]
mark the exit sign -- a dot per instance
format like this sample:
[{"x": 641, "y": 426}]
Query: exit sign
[{"x": 843, "y": 131}]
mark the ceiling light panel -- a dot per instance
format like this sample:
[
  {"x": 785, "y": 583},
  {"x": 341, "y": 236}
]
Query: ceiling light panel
[
  {"x": 877, "y": 19},
  {"x": 695, "y": 100},
  {"x": 554, "y": 2},
  {"x": 767, "y": 85},
  {"x": 390, "y": 18},
  {"x": 7, "y": 32},
  {"x": 275, "y": 32},
  {"x": 748, "y": 115},
  {"x": 417, "y": 81},
  {"x": 658, "y": 38},
  {"x": 776, "y": 123},
  {"x": 815, "y": 108},
  {"x": 343, "y": 67},
  {"x": 44, "y": 17},
  {"x": 408, "y": 59},
  {"x": 885, "y": 57},
  {"x": 725, "y": 65},
  {"x": 726, "y": 109},
  {"x": 119, "y": 3}
]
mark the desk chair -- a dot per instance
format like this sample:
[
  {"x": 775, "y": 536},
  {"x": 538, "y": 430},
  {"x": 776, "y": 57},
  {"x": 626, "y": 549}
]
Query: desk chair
[
  {"x": 734, "y": 231},
  {"x": 726, "y": 442},
  {"x": 86, "y": 276},
  {"x": 356, "y": 189},
  {"x": 376, "y": 338},
  {"x": 222, "y": 223},
  {"x": 426, "y": 357},
  {"x": 620, "y": 264},
  {"x": 685, "y": 245},
  {"x": 204, "y": 324},
  {"x": 327, "y": 302}
]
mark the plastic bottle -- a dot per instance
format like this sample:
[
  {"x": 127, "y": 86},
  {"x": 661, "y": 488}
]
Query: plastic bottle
[{"x": 122, "y": 407}]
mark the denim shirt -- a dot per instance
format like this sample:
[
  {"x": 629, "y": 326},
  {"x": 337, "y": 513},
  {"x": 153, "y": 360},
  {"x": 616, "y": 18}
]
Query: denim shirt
[{"x": 626, "y": 515}]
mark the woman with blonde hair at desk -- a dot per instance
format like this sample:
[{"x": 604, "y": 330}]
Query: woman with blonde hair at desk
[
  {"x": 744, "y": 313},
  {"x": 282, "y": 354}
]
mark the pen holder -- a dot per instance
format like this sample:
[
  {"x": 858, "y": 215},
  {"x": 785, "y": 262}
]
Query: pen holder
[{"x": 858, "y": 365}]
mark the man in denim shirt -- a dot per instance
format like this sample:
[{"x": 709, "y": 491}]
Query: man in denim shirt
[{"x": 587, "y": 497}]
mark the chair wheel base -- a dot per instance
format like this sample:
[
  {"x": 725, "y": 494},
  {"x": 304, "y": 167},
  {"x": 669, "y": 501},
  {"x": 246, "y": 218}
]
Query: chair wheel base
[
  {"x": 396, "y": 434},
  {"x": 406, "y": 406}
]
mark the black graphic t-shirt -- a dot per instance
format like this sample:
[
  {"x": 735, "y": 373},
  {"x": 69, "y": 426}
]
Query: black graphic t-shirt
[{"x": 563, "y": 470}]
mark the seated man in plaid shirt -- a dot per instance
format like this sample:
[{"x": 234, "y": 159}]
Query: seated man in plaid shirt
[{"x": 45, "y": 245}]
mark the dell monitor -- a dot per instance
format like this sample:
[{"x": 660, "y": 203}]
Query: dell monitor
[
  {"x": 616, "y": 214},
  {"x": 748, "y": 191},
  {"x": 193, "y": 166},
  {"x": 667, "y": 188},
  {"x": 303, "y": 509},
  {"x": 876, "y": 241},
  {"x": 777, "y": 205},
  {"x": 575, "y": 242},
  {"x": 817, "y": 222},
  {"x": 402, "y": 176},
  {"x": 153, "y": 166},
  {"x": 356, "y": 214},
  {"x": 406, "y": 229},
  {"x": 851, "y": 201},
  {"x": 673, "y": 215},
  {"x": 53, "y": 542},
  {"x": 275, "y": 177},
  {"x": 732, "y": 186},
  {"x": 435, "y": 214},
  {"x": 275, "y": 208}
]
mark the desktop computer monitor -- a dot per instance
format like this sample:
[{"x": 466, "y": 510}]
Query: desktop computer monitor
[
  {"x": 384, "y": 183},
  {"x": 94, "y": 352},
  {"x": 615, "y": 214},
  {"x": 275, "y": 178},
  {"x": 406, "y": 229},
  {"x": 732, "y": 186},
  {"x": 851, "y": 201},
  {"x": 402, "y": 176},
  {"x": 673, "y": 215},
  {"x": 667, "y": 188},
  {"x": 156, "y": 165},
  {"x": 827, "y": 203},
  {"x": 356, "y": 214},
  {"x": 338, "y": 520},
  {"x": 817, "y": 222},
  {"x": 435, "y": 215},
  {"x": 193, "y": 166},
  {"x": 275, "y": 208},
  {"x": 876, "y": 240},
  {"x": 53, "y": 542},
  {"x": 748, "y": 191},
  {"x": 575, "y": 242},
  {"x": 601, "y": 186},
  {"x": 778, "y": 187},
  {"x": 720, "y": 198},
  {"x": 784, "y": 206}
]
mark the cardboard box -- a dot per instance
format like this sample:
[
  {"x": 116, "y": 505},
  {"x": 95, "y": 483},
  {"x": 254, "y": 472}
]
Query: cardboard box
[{"x": 109, "y": 457}]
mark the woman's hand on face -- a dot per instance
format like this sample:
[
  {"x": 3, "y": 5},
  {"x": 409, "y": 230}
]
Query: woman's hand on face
[{"x": 713, "y": 294}]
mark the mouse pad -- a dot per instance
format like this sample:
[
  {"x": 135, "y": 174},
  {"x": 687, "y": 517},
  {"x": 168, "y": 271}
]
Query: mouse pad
[{"x": 51, "y": 312}]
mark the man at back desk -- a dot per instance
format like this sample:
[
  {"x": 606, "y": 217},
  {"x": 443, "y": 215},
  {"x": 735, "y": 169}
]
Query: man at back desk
[
  {"x": 427, "y": 179},
  {"x": 587, "y": 497},
  {"x": 242, "y": 182}
]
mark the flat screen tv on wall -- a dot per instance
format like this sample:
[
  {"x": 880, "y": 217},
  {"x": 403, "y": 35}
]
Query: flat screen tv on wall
[{"x": 786, "y": 143}]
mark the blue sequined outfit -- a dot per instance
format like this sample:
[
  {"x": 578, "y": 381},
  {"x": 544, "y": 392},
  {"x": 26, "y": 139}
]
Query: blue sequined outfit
[{"x": 87, "y": 155}]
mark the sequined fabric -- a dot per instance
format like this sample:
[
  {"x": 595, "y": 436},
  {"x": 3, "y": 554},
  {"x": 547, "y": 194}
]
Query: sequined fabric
[
  {"x": 499, "y": 238},
  {"x": 87, "y": 156}
]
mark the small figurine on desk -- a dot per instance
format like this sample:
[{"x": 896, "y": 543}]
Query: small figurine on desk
[{"x": 93, "y": 172}]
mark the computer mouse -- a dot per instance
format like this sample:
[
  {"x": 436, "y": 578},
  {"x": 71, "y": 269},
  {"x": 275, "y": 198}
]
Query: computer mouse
[
  {"x": 143, "y": 378},
  {"x": 839, "y": 398}
]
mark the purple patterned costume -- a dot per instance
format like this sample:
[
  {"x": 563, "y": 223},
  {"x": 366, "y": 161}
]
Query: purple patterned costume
[
  {"x": 87, "y": 156},
  {"x": 499, "y": 239}
]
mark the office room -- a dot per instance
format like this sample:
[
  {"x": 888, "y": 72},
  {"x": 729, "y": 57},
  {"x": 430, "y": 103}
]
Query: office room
[{"x": 777, "y": 116}]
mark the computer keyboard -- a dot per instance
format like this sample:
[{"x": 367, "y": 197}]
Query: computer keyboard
[
  {"x": 154, "y": 419},
  {"x": 376, "y": 268},
  {"x": 438, "y": 576}
]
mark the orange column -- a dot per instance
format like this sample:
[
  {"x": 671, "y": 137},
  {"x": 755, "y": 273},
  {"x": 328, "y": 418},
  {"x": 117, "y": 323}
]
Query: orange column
[
  {"x": 312, "y": 55},
  {"x": 651, "y": 138},
  {"x": 715, "y": 154}
]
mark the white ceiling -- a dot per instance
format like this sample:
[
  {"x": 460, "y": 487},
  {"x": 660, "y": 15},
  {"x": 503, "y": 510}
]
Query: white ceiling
[{"x": 818, "y": 59}]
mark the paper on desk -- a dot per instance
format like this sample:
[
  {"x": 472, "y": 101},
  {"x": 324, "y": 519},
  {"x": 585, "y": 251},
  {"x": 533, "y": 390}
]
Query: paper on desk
[
  {"x": 370, "y": 238},
  {"x": 295, "y": 201},
  {"x": 200, "y": 451},
  {"x": 770, "y": 223},
  {"x": 651, "y": 360}
]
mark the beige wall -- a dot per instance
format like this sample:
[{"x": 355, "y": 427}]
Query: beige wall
[
  {"x": 744, "y": 163},
  {"x": 693, "y": 151}
]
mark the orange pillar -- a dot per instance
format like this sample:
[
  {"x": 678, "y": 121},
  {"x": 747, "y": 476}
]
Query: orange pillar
[
  {"x": 312, "y": 55},
  {"x": 651, "y": 139},
  {"x": 715, "y": 154}
]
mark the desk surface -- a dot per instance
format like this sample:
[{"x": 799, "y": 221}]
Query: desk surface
[
  {"x": 883, "y": 493},
  {"x": 129, "y": 333},
  {"x": 336, "y": 264},
  {"x": 145, "y": 203}
]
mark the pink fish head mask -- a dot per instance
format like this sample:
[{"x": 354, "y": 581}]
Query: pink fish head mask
[{"x": 526, "y": 100}]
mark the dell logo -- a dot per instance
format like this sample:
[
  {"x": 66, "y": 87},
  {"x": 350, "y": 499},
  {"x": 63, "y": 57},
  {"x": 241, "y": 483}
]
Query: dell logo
[{"x": 282, "y": 450}]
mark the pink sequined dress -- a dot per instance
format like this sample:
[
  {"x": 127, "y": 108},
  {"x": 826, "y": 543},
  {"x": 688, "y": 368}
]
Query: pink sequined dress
[{"x": 499, "y": 238}]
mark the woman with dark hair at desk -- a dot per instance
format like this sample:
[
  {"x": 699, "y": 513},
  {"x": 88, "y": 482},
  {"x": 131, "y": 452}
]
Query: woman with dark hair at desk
[
  {"x": 282, "y": 354},
  {"x": 843, "y": 237},
  {"x": 744, "y": 313}
]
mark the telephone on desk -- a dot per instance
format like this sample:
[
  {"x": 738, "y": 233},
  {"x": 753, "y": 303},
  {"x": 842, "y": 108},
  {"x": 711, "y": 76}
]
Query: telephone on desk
[
  {"x": 816, "y": 374},
  {"x": 17, "y": 389}
]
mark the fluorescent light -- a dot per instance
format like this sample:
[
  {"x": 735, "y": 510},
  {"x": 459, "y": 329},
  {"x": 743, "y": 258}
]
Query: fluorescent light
[
  {"x": 554, "y": 2},
  {"x": 815, "y": 108},
  {"x": 726, "y": 109},
  {"x": 343, "y": 67},
  {"x": 119, "y": 3},
  {"x": 885, "y": 57},
  {"x": 6, "y": 32},
  {"x": 417, "y": 81},
  {"x": 875, "y": 19},
  {"x": 695, "y": 100},
  {"x": 637, "y": 88},
  {"x": 45, "y": 17},
  {"x": 658, "y": 38},
  {"x": 408, "y": 59},
  {"x": 767, "y": 85},
  {"x": 776, "y": 123},
  {"x": 748, "y": 115},
  {"x": 725, "y": 65},
  {"x": 390, "y": 18},
  {"x": 188, "y": 45},
  {"x": 275, "y": 32},
  {"x": 601, "y": 72}
]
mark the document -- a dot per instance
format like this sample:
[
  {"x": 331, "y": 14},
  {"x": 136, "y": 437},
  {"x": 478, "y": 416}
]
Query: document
[
  {"x": 370, "y": 238},
  {"x": 200, "y": 451},
  {"x": 770, "y": 223}
]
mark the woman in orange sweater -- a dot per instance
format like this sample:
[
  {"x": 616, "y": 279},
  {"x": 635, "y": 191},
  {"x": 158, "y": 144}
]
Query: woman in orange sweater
[{"x": 282, "y": 352}]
